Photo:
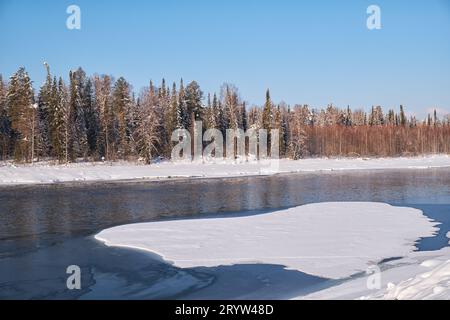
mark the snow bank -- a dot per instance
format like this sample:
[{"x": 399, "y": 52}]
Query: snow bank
[
  {"x": 331, "y": 240},
  {"x": 431, "y": 285},
  {"x": 419, "y": 276},
  {"x": 42, "y": 173}
]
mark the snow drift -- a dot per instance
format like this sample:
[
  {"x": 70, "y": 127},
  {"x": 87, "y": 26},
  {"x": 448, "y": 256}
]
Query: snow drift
[{"x": 423, "y": 275}]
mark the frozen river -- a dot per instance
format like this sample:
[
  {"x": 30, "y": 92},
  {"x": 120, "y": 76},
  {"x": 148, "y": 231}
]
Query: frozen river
[{"x": 44, "y": 229}]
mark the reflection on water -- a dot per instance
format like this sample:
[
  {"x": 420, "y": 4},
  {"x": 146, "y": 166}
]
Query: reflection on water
[{"x": 41, "y": 227}]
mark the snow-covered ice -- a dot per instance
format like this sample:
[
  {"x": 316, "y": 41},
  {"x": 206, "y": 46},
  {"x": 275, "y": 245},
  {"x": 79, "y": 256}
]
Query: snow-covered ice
[
  {"x": 11, "y": 174},
  {"x": 331, "y": 240},
  {"x": 419, "y": 276},
  {"x": 434, "y": 284}
]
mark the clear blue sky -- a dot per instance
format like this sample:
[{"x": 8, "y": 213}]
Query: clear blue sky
[{"x": 314, "y": 52}]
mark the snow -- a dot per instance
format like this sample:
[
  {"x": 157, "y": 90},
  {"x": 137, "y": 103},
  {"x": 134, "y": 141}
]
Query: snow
[
  {"x": 330, "y": 240},
  {"x": 418, "y": 276},
  {"x": 434, "y": 284},
  {"x": 104, "y": 171}
]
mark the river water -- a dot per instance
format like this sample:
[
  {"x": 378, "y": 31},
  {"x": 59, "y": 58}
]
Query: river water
[{"x": 46, "y": 228}]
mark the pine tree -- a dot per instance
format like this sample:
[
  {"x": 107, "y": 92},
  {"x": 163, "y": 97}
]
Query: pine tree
[
  {"x": 221, "y": 118},
  {"x": 348, "y": 117},
  {"x": 402, "y": 116},
  {"x": 51, "y": 107},
  {"x": 182, "y": 117},
  {"x": 244, "y": 120},
  {"x": 44, "y": 114},
  {"x": 170, "y": 122},
  {"x": 267, "y": 113},
  {"x": 102, "y": 88},
  {"x": 5, "y": 123},
  {"x": 121, "y": 102},
  {"x": 19, "y": 101},
  {"x": 92, "y": 119},
  {"x": 217, "y": 115},
  {"x": 284, "y": 135},
  {"x": 172, "y": 114},
  {"x": 61, "y": 123},
  {"x": 78, "y": 144},
  {"x": 194, "y": 106},
  {"x": 209, "y": 114},
  {"x": 163, "y": 109},
  {"x": 163, "y": 91}
]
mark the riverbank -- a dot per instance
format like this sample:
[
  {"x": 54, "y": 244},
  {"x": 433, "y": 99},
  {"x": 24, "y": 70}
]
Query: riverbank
[{"x": 47, "y": 173}]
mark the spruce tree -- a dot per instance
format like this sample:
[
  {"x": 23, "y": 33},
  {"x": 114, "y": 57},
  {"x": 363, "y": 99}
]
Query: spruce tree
[
  {"x": 267, "y": 113},
  {"x": 61, "y": 122},
  {"x": 182, "y": 118},
  {"x": 402, "y": 116},
  {"x": 91, "y": 118},
  {"x": 194, "y": 106},
  {"x": 102, "y": 102},
  {"x": 171, "y": 122},
  {"x": 121, "y": 101},
  {"x": 244, "y": 120},
  {"x": 19, "y": 101},
  {"x": 216, "y": 114},
  {"x": 5, "y": 123},
  {"x": 78, "y": 145},
  {"x": 44, "y": 114}
]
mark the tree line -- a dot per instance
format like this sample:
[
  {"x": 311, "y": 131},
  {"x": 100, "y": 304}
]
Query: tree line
[{"x": 100, "y": 118}]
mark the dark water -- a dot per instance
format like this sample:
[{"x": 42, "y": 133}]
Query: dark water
[{"x": 44, "y": 229}]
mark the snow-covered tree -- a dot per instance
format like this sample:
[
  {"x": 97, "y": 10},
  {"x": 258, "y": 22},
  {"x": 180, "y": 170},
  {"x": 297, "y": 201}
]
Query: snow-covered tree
[
  {"x": 230, "y": 102},
  {"x": 92, "y": 118},
  {"x": 20, "y": 106},
  {"x": 298, "y": 147},
  {"x": 193, "y": 98},
  {"x": 78, "y": 143},
  {"x": 102, "y": 88},
  {"x": 5, "y": 123},
  {"x": 121, "y": 102},
  {"x": 146, "y": 134},
  {"x": 267, "y": 117},
  {"x": 182, "y": 116}
]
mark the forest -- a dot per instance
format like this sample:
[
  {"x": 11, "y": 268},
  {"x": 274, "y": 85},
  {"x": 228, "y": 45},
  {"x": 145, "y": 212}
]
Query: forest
[{"x": 94, "y": 118}]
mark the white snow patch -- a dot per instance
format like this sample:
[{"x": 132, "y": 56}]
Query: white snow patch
[
  {"x": 419, "y": 276},
  {"x": 45, "y": 172},
  {"x": 331, "y": 240},
  {"x": 431, "y": 285}
]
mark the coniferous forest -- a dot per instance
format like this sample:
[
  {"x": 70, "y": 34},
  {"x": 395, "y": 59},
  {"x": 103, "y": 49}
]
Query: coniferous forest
[{"x": 101, "y": 118}]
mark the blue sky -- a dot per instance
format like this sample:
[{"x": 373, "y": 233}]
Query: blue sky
[{"x": 314, "y": 52}]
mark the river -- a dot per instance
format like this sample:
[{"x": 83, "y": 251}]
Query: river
[{"x": 46, "y": 228}]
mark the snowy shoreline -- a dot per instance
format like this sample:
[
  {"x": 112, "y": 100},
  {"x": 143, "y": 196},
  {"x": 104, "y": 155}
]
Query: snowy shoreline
[
  {"x": 330, "y": 240},
  {"x": 423, "y": 275},
  {"x": 46, "y": 173}
]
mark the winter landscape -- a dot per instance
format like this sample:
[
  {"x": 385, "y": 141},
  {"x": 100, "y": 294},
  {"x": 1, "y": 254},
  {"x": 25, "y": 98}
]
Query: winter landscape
[{"x": 318, "y": 169}]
